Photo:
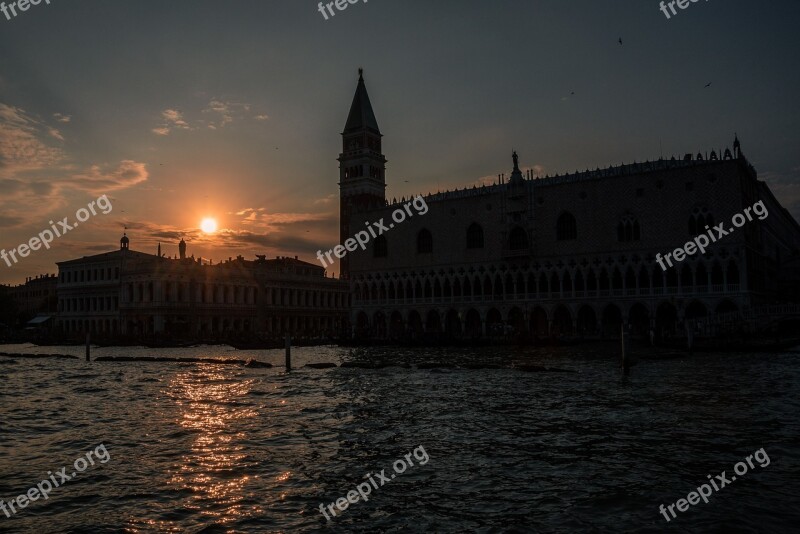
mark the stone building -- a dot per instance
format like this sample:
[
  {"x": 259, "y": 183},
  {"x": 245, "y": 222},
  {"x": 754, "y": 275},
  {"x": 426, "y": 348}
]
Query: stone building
[
  {"x": 36, "y": 296},
  {"x": 570, "y": 254},
  {"x": 134, "y": 293}
]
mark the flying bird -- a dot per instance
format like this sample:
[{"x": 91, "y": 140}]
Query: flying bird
[
  {"x": 620, "y": 41},
  {"x": 708, "y": 84}
]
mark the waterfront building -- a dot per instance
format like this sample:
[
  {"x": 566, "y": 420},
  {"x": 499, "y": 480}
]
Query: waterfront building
[
  {"x": 134, "y": 293},
  {"x": 571, "y": 254},
  {"x": 36, "y": 296}
]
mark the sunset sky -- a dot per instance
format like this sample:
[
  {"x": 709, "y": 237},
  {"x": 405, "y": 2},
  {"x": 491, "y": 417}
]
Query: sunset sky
[{"x": 192, "y": 109}]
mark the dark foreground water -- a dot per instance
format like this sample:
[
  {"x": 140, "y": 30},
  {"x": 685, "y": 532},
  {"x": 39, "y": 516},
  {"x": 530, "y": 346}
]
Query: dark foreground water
[{"x": 208, "y": 448}]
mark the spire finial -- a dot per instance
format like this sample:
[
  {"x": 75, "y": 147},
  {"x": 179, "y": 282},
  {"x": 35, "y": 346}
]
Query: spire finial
[{"x": 360, "y": 73}]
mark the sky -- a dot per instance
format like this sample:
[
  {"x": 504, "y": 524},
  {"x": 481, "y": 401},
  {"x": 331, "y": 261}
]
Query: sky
[{"x": 190, "y": 109}]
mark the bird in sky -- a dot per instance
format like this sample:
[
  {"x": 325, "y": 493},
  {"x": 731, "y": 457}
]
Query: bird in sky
[
  {"x": 708, "y": 84},
  {"x": 620, "y": 41}
]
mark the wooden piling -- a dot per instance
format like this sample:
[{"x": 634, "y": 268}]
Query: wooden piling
[
  {"x": 288, "y": 353},
  {"x": 88, "y": 346},
  {"x": 625, "y": 356}
]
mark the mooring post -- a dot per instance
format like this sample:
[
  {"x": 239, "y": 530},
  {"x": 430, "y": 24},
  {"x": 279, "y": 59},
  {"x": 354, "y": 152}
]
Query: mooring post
[
  {"x": 625, "y": 362},
  {"x": 288, "y": 352},
  {"x": 88, "y": 348}
]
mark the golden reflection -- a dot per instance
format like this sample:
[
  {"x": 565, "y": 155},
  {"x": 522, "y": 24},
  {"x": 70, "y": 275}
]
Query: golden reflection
[{"x": 212, "y": 404}]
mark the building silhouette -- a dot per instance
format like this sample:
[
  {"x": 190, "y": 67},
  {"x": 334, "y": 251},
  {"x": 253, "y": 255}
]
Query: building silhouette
[
  {"x": 569, "y": 254},
  {"x": 126, "y": 292}
]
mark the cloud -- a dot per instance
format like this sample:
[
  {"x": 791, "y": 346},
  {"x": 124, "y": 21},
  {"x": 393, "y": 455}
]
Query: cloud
[
  {"x": 10, "y": 221},
  {"x": 538, "y": 170},
  {"x": 36, "y": 177},
  {"x": 21, "y": 146},
  {"x": 218, "y": 113},
  {"x": 55, "y": 133},
  {"x": 173, "y": 119},
  {"x": 258, "y": 218},
  {"x": 97, "y": 180},
  {"x": 227, "y": 112},
  {"x": 333, "y": 197}
]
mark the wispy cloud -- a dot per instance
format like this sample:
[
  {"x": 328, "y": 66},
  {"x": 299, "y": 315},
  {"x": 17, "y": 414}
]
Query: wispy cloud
[
  {"x": 36, "y": 177},
  {"x": 225, "y": 111},
  {"x": 259, "y": 218},
  {"x": 22, "y": 148},
  {"x": 55, "y": 133},
  {"x": 173, "y": 119},
  {"x": 217, "y": 113},
  {"x": 330, "y": 199},
  {"x": 61, "y": 117},
  {"x": 97, "y": 180}
]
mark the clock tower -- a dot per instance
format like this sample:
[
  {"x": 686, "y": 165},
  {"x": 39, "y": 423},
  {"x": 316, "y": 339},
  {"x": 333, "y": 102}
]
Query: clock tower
[{"x": 362, "y": 166}]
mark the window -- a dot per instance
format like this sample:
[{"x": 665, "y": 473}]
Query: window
[
  {"x": 628, "y": 229},
  {"x": 518, "y": 239},
  {"x": 380, "y": 248},
  {"x": 699, "y": 219},
  {"x": 474, "y": 236},
  {"x": 424, "y": 242},
  {"x": 566, "y": 227}
]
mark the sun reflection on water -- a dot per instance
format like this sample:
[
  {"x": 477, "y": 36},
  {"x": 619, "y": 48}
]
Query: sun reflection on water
[{"x": 212, "y": 406}]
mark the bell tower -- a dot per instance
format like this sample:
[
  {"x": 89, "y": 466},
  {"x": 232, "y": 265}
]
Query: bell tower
[{"x": 362, "y": 166}]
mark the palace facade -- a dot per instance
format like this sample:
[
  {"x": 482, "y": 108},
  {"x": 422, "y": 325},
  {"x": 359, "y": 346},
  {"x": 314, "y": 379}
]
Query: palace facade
[
  {"x": 133, "y": 293},
  {"x": 568, "y": 254}
]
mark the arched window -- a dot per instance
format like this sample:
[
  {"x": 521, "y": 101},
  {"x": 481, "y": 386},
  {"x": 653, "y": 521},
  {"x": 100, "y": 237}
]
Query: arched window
[
  {"x": 424, "y": 242},
  {"x": 474, "y": 236},
  {"x": 379, "y": 247},
  {"x": 518, "y": 239},
  {"x": 566, "y": 227},
  {"x": 699, "y": 219},
  {"x": 628, "y": 229}
]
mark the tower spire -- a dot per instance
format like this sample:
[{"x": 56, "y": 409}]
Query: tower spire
[{"x": 361, "y": 115}]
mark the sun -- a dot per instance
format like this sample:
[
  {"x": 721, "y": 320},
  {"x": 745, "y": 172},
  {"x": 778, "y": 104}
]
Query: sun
[{"x": 208, "y": 225}]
